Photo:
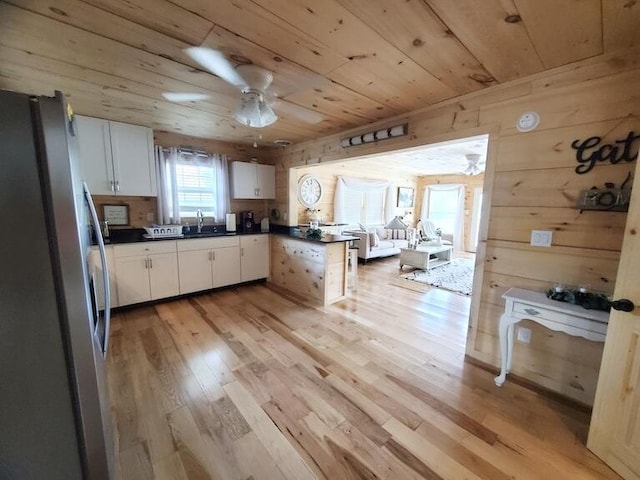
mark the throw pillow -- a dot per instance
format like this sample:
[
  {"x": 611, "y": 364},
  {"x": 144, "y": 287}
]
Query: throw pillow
[
  {"x": 398, "y": 234},
  {"x": 374, "y": 240}
]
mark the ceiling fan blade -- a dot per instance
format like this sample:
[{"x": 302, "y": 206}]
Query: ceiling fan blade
[
  {"x": 216, "y": 63},
  {"x": 185, "y": 96},
  {"x": 301, "y": 113}
]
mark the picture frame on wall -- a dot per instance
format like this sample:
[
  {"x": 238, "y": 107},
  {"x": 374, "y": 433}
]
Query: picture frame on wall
[
  {"x": 116, "y": 214},
  {"x": 405, "y": 197}
]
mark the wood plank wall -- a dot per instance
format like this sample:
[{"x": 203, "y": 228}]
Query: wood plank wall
[
  {"x": 328, "y": 176},
  {"x": 530, "y": 183},
  {"x": 470, "y": 184}
]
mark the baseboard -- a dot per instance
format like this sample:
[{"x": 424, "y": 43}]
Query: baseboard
[{"x": 546, "y": 392}]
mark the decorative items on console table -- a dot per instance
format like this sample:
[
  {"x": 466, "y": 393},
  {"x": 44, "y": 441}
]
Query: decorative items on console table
[{"x": 580, "y": 296}]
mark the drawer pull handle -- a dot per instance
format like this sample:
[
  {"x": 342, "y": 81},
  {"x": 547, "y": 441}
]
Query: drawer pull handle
[{"x": 531, "y": 311}]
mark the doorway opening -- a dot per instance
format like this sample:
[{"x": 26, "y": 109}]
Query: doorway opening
[{"x": 440, "y": 184}]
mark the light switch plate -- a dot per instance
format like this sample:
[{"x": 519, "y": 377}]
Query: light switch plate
[{"x": 541, "y": 238}]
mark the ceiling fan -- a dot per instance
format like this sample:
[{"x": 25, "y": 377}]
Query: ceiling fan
[
  {"x": 476, "y": 164},
  {"x": 256, "y": 101}
]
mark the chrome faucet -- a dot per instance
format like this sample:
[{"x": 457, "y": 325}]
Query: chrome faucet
[{"x": 200, "y": 219}]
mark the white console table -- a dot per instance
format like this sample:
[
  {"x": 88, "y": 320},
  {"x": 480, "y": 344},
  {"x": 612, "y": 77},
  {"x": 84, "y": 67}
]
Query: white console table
[{"x": 560, "y": 316}]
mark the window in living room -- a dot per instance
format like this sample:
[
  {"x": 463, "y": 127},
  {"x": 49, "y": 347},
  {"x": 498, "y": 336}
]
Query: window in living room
[
  {"x": 443, "y": 209},
  {"x": 443, "y": 205},
  {"x": 363, "y": 201},
  {"x": 366, "y": 208}
]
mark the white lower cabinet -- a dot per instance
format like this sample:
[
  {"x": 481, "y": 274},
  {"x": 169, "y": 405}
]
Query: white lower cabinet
[
  {"x": 206, "y": 263},
  {"x": 152, "y": 270},
  {"x": 254, "y": 257},
  {"x": 146, "y": 271}
]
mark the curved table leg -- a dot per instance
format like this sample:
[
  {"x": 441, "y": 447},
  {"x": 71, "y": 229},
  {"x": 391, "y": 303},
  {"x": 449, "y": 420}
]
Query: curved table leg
[{"x": 505, "y": 331}]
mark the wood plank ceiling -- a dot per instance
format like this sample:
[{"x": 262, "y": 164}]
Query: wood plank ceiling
[{"x": 352, "y": 61}]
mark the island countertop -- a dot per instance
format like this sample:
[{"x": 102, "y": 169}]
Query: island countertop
[{"x": 325, "y": 238}]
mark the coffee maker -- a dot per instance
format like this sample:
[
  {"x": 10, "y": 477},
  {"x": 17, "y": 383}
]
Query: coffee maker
[{"x": 248, "y": 223}]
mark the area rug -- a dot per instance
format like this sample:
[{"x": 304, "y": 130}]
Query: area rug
[{"x": 456, "y": 276}]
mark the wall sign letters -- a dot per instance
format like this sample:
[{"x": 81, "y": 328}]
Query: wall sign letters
[{"x": 587, "y": 156}]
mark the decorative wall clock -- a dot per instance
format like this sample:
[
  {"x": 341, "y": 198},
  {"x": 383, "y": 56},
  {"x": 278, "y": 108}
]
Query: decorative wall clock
[{"x": 309, "y": 190}]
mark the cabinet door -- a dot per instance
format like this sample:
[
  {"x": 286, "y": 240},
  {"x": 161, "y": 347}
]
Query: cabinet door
[
  {"x": 163, "y": 275},
  {"x": 132, "y": 280},
  {"x": 243, "y": 179},
  {"x": 254, "y": 257},
  {"x": 195, "y": 270},
  {"x": 94, "y": 151},
  {"x": 133, "y": 164},
  {"x": 226, "y": 266},
  {"x": 266, "y": 179}
]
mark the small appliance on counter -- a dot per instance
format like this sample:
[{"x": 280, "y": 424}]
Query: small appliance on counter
[
  {"x": 163, "y": 231},
  {"x": 248, "y": 221},
  {"x": 264, "y": 225},
  {"x": 231, "y": 222}
]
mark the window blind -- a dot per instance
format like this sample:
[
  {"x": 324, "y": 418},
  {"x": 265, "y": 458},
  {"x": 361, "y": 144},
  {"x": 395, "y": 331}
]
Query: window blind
[{"x": 196, "y": 185}]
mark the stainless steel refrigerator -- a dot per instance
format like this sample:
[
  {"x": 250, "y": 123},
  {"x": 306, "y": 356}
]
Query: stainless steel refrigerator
[{"x": 54, "y": 415}]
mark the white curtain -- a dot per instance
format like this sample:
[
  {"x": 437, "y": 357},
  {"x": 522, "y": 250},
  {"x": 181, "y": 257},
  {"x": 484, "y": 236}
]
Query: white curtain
[
  {"x": 223, "y": 202},
  {"x": 346, "y": 185},
  {"x": 168, "y": 204},
  {"x": 458, "y": 231},
  {"x": 168, "y": 207}
]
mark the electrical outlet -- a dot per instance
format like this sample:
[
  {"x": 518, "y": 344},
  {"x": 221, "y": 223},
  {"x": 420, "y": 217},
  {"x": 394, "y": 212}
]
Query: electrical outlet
[
  {"x": 150, "y": 216},
  {"x": 524, "y": 335},
  {"x": 541, "y": 238}
]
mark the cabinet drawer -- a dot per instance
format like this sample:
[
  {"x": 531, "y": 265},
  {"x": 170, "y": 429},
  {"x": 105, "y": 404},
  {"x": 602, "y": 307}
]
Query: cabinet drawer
[
  {"x": 189, "y": 245},
  {"x": 144, "y": 248},
  {"x": 248, "y": 240},
  {"x": 524, "y": 311}
]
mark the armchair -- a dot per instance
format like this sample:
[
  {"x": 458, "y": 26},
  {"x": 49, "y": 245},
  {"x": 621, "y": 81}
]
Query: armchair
[{"x": 427, "y": 231}]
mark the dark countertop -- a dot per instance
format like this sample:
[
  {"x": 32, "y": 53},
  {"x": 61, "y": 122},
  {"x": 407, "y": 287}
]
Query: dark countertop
[
  {"x": 330, "y": 224},
  {"x": 134, "y": 235},
  {"x": 325, "y": 238}
]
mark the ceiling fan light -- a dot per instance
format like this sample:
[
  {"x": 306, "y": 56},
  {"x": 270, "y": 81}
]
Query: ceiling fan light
[
  {"x": 267, "y": 115},
  {"x": 253, "y": 112}
]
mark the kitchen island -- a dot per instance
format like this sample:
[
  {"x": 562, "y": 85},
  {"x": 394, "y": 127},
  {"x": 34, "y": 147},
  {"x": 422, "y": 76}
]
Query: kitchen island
[{"x": 314, "y": 269}]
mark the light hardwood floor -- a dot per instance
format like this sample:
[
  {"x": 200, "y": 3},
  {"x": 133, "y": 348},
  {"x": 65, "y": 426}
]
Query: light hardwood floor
[{"x": 251, "y": 383}]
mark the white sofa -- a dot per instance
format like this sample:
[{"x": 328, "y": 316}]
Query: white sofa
[{"x": 379, "y": 242}]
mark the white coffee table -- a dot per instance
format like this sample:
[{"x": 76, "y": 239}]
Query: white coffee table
[{"x": 426, "y": 258}]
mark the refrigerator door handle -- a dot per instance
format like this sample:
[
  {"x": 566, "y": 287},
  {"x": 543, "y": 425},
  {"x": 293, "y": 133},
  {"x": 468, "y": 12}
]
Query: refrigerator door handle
[{"x": 105, "y": 269}]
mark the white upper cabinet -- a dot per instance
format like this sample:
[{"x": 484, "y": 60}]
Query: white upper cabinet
[
  {"x": 133, "y": 165},
  {"x": 266, "y": 181},
  {"x": 253, "y": 180},
  {"x": 116, "y": 158}
]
